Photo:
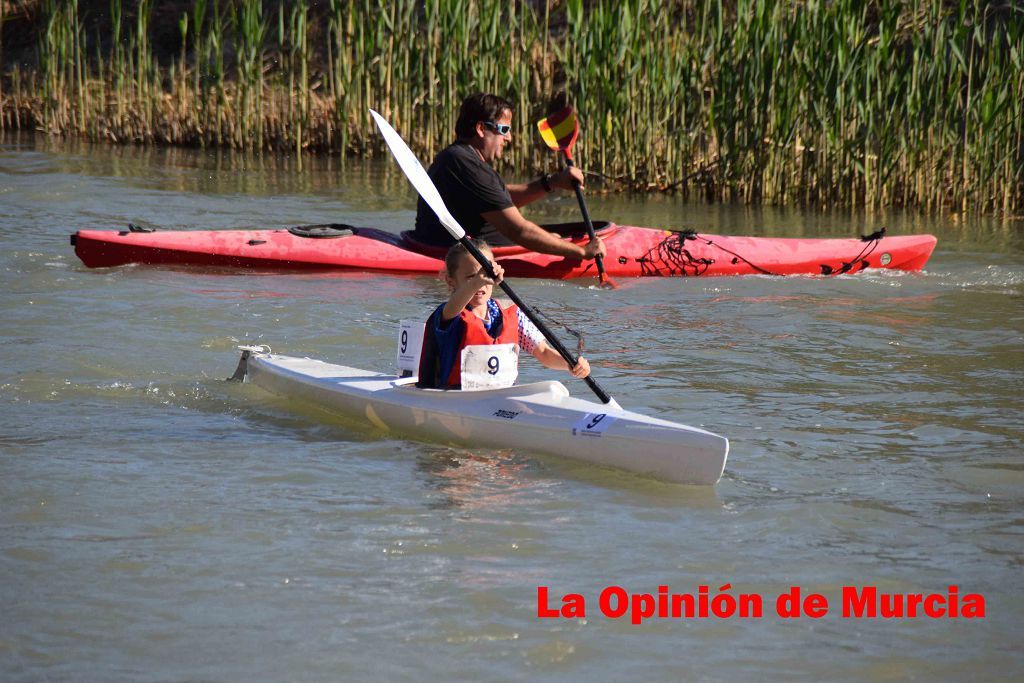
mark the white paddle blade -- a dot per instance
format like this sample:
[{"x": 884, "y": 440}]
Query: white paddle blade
[{"x": 417, "y": 175}]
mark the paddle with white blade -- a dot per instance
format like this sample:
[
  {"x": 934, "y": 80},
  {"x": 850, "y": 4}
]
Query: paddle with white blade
[{"x": 417, "y": 175}]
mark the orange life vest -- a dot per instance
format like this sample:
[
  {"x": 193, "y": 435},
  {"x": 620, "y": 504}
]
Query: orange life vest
[{"x": 475, "y": 334}]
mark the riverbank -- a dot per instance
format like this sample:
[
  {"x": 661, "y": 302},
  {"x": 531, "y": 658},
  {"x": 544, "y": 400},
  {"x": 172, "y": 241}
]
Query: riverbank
[{"x": 847, "y": 103}]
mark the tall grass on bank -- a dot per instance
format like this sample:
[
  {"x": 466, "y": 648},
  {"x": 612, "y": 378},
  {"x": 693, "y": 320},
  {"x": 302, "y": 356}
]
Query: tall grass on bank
[{"x": 838, "y": 102}]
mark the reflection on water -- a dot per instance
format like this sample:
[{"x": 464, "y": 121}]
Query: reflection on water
[
  {"x": 467, "y": 480},
  {"x": 212, "y": 171}
]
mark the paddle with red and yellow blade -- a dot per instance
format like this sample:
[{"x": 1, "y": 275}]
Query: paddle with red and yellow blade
[{"x": 559, "y": 132}]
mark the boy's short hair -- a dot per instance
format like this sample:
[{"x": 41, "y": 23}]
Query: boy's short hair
[
  {"x": 479, "y": 107},
  {"x": 458, "y": 250}
]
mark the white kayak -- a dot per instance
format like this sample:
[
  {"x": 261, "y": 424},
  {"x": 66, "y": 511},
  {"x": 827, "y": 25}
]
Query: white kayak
[{"x": 539, "y": 417}]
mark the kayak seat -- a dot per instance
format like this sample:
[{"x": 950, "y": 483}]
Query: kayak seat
[
  {"x": 577, "y": 232},
  {"x": 326, "y": 231}
]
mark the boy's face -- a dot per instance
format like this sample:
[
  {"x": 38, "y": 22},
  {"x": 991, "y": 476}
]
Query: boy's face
[{"x": 467, "y": 270}]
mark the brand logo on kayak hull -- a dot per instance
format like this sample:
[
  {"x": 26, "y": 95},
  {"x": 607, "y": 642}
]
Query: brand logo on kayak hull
[{"x": 507, "y": 414}]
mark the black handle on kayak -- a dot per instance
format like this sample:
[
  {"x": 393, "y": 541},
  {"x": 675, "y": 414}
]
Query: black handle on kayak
[{"x": 548, "y": 334}]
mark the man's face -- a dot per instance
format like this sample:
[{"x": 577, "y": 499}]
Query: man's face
[{"x": 492, "y": 143}]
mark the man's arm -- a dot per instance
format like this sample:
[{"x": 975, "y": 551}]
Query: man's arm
[
  {"x": 510, "y": 223},
  {"x": 524, "y": 193}
]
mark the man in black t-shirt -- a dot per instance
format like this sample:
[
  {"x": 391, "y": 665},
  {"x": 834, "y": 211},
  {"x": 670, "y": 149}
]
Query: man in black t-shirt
[{"x": 477, "y": 196}]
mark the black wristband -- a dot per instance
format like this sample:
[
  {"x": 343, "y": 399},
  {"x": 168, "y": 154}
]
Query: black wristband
[{"x": 545, "y": 182}]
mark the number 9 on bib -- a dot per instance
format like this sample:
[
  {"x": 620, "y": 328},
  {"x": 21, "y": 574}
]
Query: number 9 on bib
[{"x": 490, "y": 366}]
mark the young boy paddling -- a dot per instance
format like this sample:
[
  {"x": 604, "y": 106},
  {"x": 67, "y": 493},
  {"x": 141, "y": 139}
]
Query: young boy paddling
[{"x": 470, "y": 320}]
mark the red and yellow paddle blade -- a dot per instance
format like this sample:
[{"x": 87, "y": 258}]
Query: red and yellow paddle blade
[{"x": 559, "y": 130}]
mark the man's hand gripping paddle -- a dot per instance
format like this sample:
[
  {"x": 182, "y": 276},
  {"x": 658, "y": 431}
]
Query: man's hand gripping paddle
[
  {"x": 559, "y": 132},
  {"x": 417, "y": 175}
]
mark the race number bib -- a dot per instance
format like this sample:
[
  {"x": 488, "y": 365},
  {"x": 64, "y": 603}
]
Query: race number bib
[
  {"x": 490, "y": 367},
  {"x": 593, "y": 424},
  {"x": 410, "y": 342}
]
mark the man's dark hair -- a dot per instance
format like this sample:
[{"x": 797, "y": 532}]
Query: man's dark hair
[{"x": 479, "y": 107}]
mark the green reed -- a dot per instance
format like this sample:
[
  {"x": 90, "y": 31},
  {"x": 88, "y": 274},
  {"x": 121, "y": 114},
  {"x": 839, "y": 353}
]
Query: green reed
[{"x": 822, "y": 102}]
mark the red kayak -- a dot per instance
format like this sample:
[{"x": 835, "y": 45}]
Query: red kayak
[{"x": 632, "y": 251}]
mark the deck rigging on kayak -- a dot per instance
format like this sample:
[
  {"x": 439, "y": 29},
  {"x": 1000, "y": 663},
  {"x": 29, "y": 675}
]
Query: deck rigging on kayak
[{"x": 671, "y": 257}]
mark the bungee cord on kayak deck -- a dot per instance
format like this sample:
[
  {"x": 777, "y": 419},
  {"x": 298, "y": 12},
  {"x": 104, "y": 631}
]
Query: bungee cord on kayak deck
[
  {"x": 872, "y": 241},
  {"x": 670, "y": 252},
  {"x": 670, "y": 257},
  {"x": 692, "y": 235}
]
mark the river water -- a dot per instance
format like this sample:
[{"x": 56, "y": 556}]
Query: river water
[{"x": 159, "y": 523}]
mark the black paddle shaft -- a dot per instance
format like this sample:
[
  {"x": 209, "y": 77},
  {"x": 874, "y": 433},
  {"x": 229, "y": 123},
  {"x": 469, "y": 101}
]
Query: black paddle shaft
[
  {"x": 599, "y": 260},
  {"x": 548, "y": 334}
]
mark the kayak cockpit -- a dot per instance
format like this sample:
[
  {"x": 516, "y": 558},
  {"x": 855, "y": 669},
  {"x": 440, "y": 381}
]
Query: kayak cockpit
[
  {"x": 552, "y": 388},
  {"x": 404, "y": 385},
  {"x": 575, "y": 232}
]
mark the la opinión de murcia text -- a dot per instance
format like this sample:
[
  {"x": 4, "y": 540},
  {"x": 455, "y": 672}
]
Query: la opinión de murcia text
[{"x": 856, "y": 602}]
